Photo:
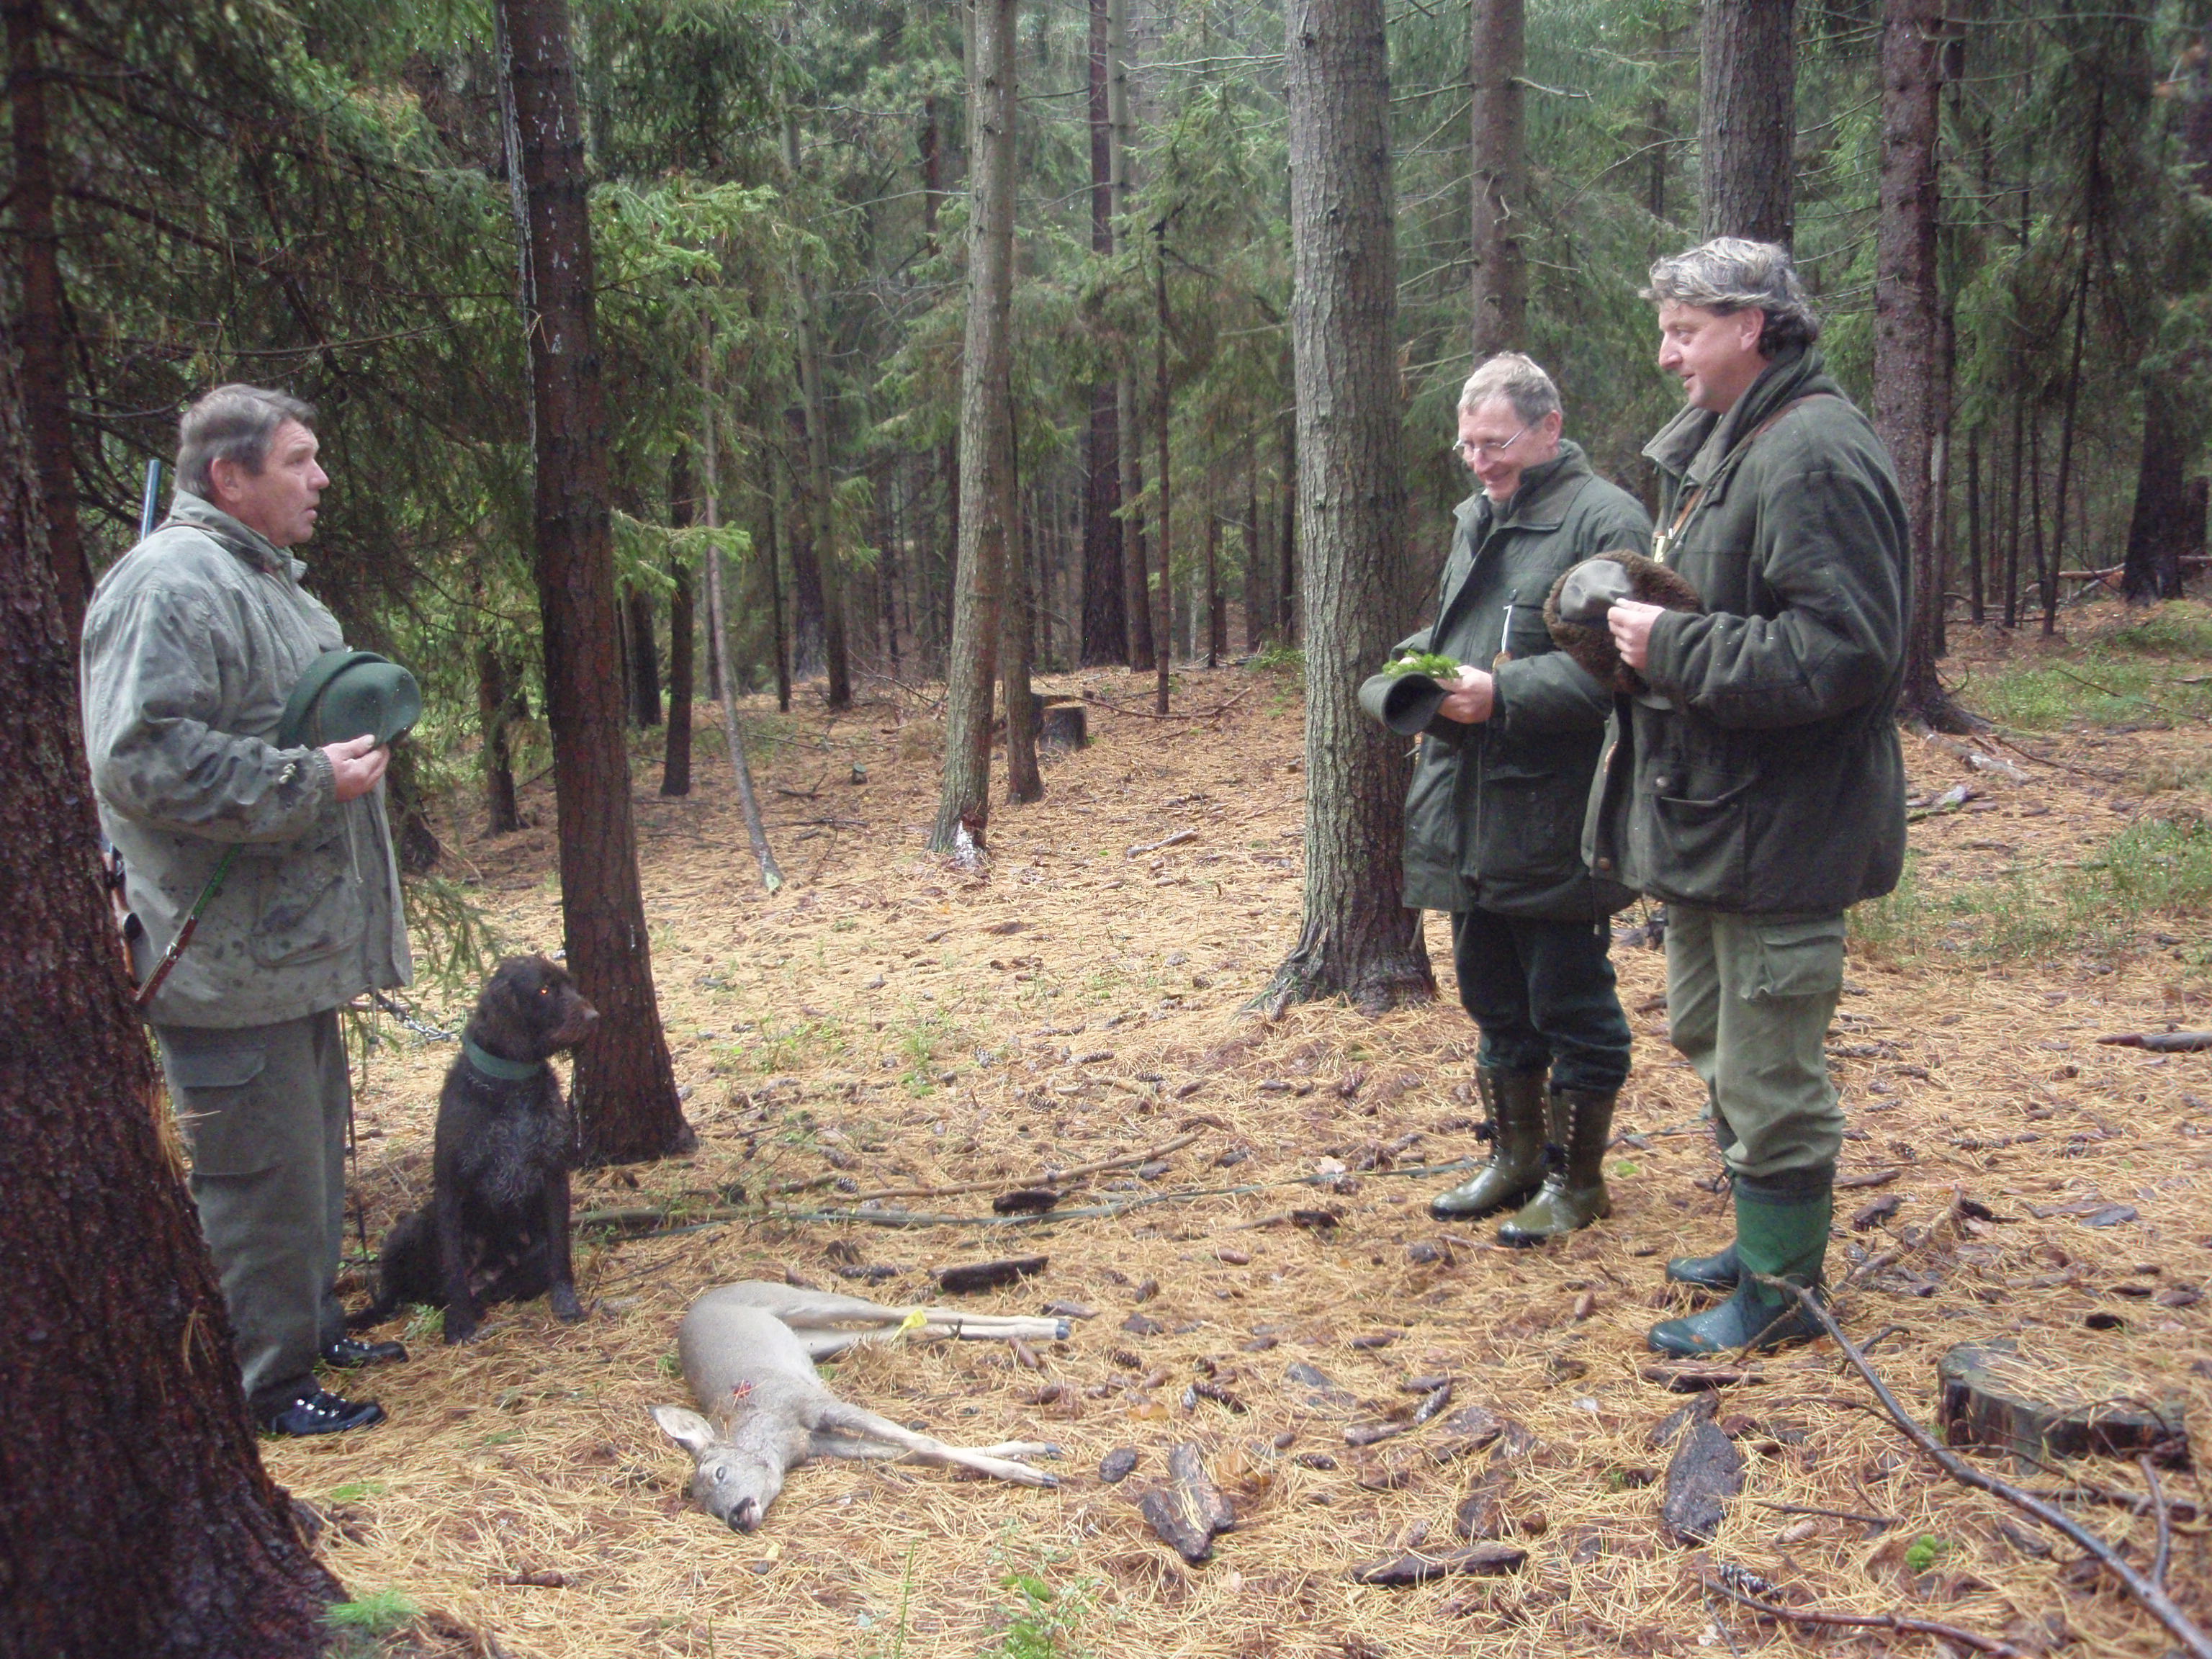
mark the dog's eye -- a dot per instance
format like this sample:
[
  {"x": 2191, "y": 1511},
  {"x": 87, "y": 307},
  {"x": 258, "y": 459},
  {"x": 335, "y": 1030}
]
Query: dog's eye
[{"x": 544, "y": 990}]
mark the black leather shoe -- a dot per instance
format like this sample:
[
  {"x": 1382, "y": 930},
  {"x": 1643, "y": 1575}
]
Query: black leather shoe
[
  {"x": 320, "y": 1411},
  {"x": 350, "y": 1351}
]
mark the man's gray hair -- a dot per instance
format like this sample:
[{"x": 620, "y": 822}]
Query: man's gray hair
[
  {"x": 232, "y": 423},
  {"x": 1518, "y": 380},
  {"x": 1733, "y": 273}
]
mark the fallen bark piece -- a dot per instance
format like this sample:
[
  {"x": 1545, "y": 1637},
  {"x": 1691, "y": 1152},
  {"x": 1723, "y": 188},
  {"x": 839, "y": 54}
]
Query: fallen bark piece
[
  {"x": 1690, "y": 1379},
  {"x": 1025, "y": 1201},
  {"x": 1700, "y": 1409},
  {"x": 988, "y": 1275},
  {"x": 1705, "y": 1472},
  {"x": 1189, "y": 1511},
  {"x": 1415, "y": 1569},
  {"x": 1138, "y": 1324},
  {"x": 1876, "y": 1213},
  {"x": 1176, "y": 840},
  {"x": 1869, "y": 1178},
  {"x": 1071, "y": 1310},
  {"x": 1368, "y": 1434},
  {"x": 1472, "y": 1428},
  {"x": 2161, "y": 1042},
  {"x": 1481, "y": 1516},
  {"x": 1116, "y": 1464},
  {"x": 1994, "y": 1395}
]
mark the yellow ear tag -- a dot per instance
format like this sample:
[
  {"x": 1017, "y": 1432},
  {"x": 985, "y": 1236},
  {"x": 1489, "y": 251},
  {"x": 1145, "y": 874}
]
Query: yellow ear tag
[{"x": 913, "y": 1321}]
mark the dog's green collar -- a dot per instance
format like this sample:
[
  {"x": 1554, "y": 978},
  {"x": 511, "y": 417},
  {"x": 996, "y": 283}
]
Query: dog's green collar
[{"x": 503, "y": 1071}]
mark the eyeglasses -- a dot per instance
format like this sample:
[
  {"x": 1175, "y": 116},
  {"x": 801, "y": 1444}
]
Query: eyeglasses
[{"x": 1472, "y": 452}]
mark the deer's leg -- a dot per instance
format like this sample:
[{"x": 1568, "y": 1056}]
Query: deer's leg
[{"x": 841, "y": 1419}]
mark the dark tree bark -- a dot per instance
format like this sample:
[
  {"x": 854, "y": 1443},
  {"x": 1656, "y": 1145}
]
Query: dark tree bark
[
  {"x": 1163, "y": 613},
  {"x": 644, "y": 658},
  {"x": 625, "y": 1092},
  {"x": 1257, "y": 604},
  {"x": 1286, "y": 589},
  {"x": 1024, "y": 781},
  {"x": 1357, "y": 941},
  {"x": 1105, "y": 620},
  {"x": 1501, "y": 179},
  {"x": 1910, "y": 392},
  {"x": 772, "y": 566},
  {"x": 500, "y": 702},
  {"x": 887, "y": 560},
  {"x": 683, "y": 513},
  {"x": 42, "y": 336},
  {"x": 1977, "y": 596},
  {"x": 986, "y": 437},
  {"x": 1747, "y": 119},
  {"x": 1217, "y": 608},
  {"x": 138, "y": 1519},
  {"x": 1136, "y": 557},
  {"x": 810, "y": 605}
]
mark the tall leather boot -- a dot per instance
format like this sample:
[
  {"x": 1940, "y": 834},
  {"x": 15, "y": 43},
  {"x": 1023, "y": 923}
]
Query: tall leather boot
[
  {"x": 1781, "y": 1232},
  {"x": 1515, "y": 1170},
  {"x": 1573, "y": 1194}
]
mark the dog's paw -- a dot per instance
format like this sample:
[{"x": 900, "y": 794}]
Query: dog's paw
[
  {"x": 563, "y": 1300},
  {"x": 462, "y": 1330}
]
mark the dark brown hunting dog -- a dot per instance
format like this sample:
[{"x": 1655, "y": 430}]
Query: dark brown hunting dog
[{"x": 497, "y": 1226}]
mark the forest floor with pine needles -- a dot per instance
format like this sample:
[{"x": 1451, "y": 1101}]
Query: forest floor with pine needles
[{"x": 885, "y": 1024}]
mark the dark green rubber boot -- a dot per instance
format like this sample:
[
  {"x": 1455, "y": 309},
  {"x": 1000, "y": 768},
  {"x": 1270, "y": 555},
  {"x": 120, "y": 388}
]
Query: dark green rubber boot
[
  {"x": 1515, "y": 1170},
  {"x": 1716, "y": 1272},
  {"x": 1573, "y": 1194},
  {"x": 1782, "y": 1231}
]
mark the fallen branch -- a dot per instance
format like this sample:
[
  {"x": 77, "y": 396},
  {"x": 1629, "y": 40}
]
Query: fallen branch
[
  {"x": 2161, "y": 1043},
  {"x": 1176, "y": 839},
  {"x": 1113, "y": 708},
  {"x": 1049, "y": 1178},
  {"x": 2149, "y": 1592},
  {"x": 1832, "y": 1515},
  {"x": 1889, "y": 1621}
]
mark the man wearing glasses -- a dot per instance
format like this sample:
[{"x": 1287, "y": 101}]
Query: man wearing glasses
[{"x": 1493, "y": 831}]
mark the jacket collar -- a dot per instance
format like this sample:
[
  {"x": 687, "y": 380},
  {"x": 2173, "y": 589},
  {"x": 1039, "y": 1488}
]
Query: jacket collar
[
  {"x": 1540, "y": 503},
  {"x": 248, "y": 543},
  {"x": 1681, "y": 446}
]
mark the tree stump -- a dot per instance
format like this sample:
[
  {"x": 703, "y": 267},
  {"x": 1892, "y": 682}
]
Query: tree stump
[
  {"x": 1994, "y": 1395},
  {"x": 1064, "y": 726}
]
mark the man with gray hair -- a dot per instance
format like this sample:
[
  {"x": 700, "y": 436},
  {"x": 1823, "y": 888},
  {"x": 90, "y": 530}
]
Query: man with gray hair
[
  {"x": 1493, "y": 818},
  {"x": 1756, "y": 785},
  {"x": 193, "y": 644}
]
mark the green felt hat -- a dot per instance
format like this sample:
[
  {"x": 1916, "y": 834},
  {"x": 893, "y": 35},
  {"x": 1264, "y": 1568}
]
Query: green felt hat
[{"x": 349, "y": 693}]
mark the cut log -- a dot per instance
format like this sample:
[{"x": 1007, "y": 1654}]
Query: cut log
[
  {"x": 1064, "y": 727},
  {"x": 1485, "y": 1557},
  {"x": 988, "y": 1275},
  {"x": 1189, "y": 1511},
  {"x": 1705, "y": 1472},
  {"x": 1994, "y": 1395}
]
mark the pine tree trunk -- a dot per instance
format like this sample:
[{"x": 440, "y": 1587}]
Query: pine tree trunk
[
  {"x": 821, "y": 596},
  {"x": 1501, "y": 179},
  {"x": 1105, "y": 618},
  {"x": 1359, "y": 941},
  {"x": 1747, "y": 119},
  {"x": 1136, "y": 557},
  {"x": 1025, "y": 781},
  {"x": 1908, "y": 389},
  {"x": 1164, "y": 616},
  {"x": 1978, "y": 598},
  {"x": 772, "y": 566},
  {"x": 1286, "y": 587},
  {"x": 986, "y": 437},
  {"x": 499, "y": 701},
  {"x": 644, "y": 658},
  {"x": 676, "y": 757},
  {"x": 624, "y": 1091},
  {"x": 137, "y": 1518},
  {"x": 43, "y": 338}
]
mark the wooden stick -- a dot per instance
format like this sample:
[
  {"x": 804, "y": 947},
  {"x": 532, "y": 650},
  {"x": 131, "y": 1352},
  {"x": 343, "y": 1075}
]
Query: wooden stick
[
  {"x": 1049, "y": 1178},
  {"x": 2165, "y": 1521},
  {"x": 1889, "y": 1621},
  {"x": 1833, "y": 1515},
  {"x": 2152, "y": 1595},
  {"x": 1113, "y": 708}
]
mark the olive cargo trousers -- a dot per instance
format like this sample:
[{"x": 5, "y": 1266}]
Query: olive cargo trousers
[
  {"x": 264, "y": 1110},
  {"x": 1748, "y": 1002}
]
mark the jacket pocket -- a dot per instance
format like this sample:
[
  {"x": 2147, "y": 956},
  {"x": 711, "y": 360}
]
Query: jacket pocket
[
  {"x": 1531, "y": 821},
  {"x": 1797, "y": 959},
  {"x": 1701, "y": 836},
  {"x": 310, "y": 903},
  {"x": 214, "y": 1092}
]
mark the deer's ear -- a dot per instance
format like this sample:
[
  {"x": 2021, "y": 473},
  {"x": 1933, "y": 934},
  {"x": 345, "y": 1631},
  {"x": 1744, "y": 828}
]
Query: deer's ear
[{"x": 685, "y": 1427}]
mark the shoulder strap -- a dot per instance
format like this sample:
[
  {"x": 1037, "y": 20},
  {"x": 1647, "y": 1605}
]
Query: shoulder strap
[{"x": 1665, "y": 539}]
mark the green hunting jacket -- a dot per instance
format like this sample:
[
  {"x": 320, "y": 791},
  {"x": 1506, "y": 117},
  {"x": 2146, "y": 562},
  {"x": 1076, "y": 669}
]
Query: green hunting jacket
[
  {"x": 192, "y": 642},
  {"x": 1762, "y": 774},
  {"x": 1494, "y": 816}
]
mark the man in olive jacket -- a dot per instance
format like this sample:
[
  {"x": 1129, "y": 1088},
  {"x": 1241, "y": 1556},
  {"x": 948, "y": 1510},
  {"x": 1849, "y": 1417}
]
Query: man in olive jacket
[
  {"x": 192, "y": 643},
  {"x": 1758, "y": 787},
  {"x": 1494, "y": 814}
]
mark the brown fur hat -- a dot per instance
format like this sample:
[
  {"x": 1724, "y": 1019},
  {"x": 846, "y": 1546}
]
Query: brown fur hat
[{"x": 1591, "y": 644}]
